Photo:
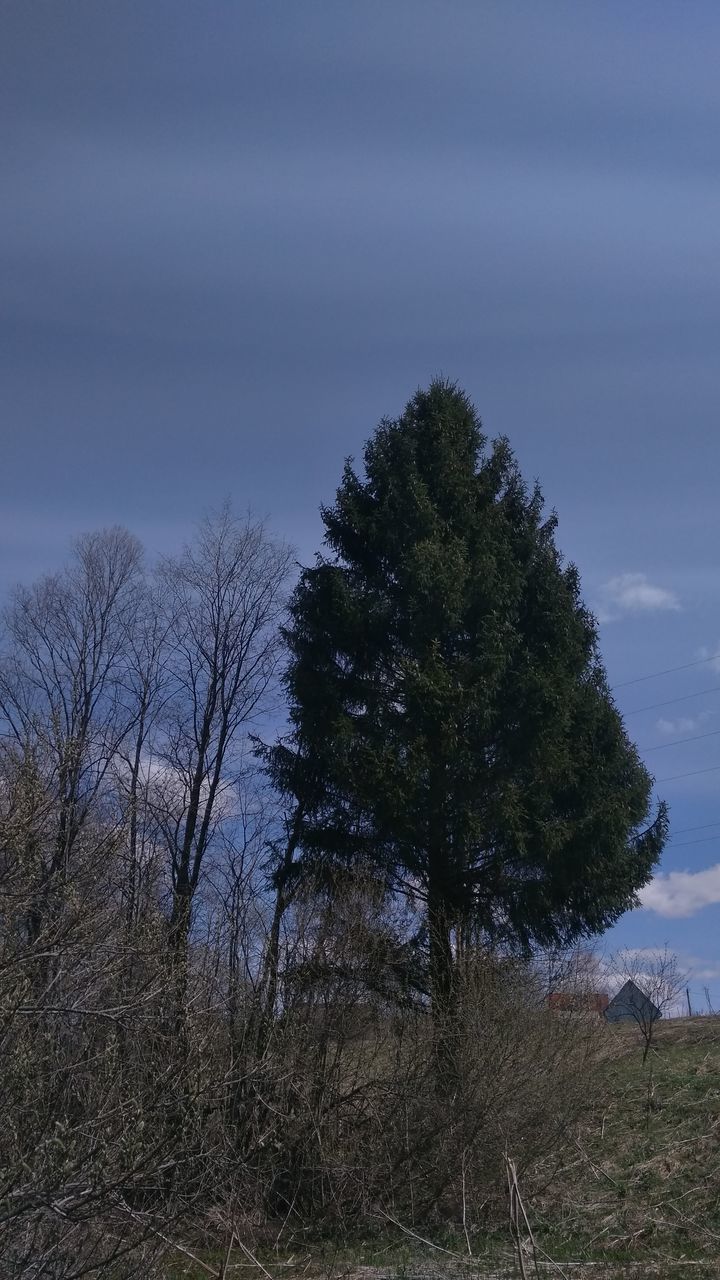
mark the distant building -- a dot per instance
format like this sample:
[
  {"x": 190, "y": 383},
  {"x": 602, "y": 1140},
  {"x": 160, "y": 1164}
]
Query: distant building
[
  {"x": 632, "y": 1005},
  {"x": 578, "y": 1002}
]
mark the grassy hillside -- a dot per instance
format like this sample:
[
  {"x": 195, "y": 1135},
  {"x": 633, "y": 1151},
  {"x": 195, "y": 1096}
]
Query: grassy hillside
[
  {"x": 635, "y": 1192},
  {"x": 641, "y": 1183}
]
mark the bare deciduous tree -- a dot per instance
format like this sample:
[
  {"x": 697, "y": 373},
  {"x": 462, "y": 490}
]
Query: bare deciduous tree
[
  {"x": 145, "y": 691},
  {"x": 224, "y": 598},
  {"x": 62, "y": 706},
  {"x": 659, "y": 980}
]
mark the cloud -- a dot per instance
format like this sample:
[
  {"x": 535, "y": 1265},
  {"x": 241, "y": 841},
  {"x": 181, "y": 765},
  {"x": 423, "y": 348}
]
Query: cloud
[
  {"x": 683, "y": 724},
  {"x": 631, "y": 593},
  {"x": 707, "y": 972},
  {"x": 646, "y": 955},
  {"x": 713, "y": 654},
  {"x": 679, "y": 894}
]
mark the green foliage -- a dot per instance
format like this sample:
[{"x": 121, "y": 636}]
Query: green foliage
[{"x": 452, "y": 722}]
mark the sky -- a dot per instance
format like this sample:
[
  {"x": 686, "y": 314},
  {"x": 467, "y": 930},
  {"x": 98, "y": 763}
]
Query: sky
[{"x": 233, "y": 236}]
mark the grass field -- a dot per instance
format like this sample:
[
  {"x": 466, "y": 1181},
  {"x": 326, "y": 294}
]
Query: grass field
[
  {"x": 642, "y": 1183},
  {"x": 635, "y": 1194}
]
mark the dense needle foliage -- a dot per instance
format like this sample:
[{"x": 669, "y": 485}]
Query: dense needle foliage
[{"x": 453, "y": 726}]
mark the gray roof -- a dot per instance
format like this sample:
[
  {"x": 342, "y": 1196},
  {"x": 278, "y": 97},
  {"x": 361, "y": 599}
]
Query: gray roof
[{"x": 631, "y": 1002}]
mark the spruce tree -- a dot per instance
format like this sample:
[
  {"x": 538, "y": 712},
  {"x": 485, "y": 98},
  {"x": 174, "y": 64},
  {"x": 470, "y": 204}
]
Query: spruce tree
[{"x": 452, "y": 723}]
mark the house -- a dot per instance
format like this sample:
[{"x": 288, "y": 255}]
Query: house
[
  {"x": 578, "y": 1002},
  {"x": 632, "y": 1005}
]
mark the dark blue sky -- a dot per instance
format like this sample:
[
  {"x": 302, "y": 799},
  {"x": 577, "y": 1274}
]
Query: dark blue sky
[{"x": 234, "y": 235}]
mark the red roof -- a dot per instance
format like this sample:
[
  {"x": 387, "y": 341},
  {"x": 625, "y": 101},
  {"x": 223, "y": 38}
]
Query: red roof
[{"x": 571, "y": 1001}]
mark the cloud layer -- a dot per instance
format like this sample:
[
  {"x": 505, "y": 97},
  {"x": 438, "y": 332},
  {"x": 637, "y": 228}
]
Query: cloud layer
[
  {"x": 683, "y": 724},
  {"x": 632, "y": 593},
  {"x": 679, "y": 894},
  {"x": 711, "y": 655}
]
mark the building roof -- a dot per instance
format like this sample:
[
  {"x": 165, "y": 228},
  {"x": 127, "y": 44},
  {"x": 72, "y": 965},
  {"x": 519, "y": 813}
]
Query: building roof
[
  {"x": 631, "y": 1002},
  {"x": 573, "y": 1001}
]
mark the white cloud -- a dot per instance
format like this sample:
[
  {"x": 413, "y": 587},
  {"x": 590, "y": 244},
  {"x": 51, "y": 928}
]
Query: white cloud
[
  {"x": 169, "y": 788},
  {"x": 648, "y": 955},
  {"x": 713, "y": 653},
  {"x": 631, "y": 593},
  {"x": 682, "y": 893},
  {"x": 707, "y": 973},
  {"x": 683, "y": 724}
]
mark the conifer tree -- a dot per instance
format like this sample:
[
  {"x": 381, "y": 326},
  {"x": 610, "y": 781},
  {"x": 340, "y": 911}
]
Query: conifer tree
[{"x": 452, "y": 722}]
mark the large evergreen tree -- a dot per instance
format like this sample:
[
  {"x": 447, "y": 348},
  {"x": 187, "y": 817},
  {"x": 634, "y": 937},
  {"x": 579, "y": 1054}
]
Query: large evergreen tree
[{"x": 453, "y": 726}]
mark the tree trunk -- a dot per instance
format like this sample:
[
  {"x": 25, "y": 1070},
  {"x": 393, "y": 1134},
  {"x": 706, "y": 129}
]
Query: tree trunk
[
  {"x": 271, "y": 965},
  {"x": 443, "y": 988},
  {"x": 179, "y": 939}
]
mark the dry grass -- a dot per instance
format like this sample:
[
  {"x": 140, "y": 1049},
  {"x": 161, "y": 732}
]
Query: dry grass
[
  {"x": 635, "y": 1194},
  {"x": 642, "y": 1187}
]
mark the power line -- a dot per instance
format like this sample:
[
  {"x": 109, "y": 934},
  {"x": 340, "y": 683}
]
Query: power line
[
  {"x": 667, "y": 672},
  {"x": 660, "y": 746},
  {"x": 693, "y": 774},
  {"x": 685, "y": 697},
  {"x": 683, "y": 844},
  {"x": 704, "y": 826}
]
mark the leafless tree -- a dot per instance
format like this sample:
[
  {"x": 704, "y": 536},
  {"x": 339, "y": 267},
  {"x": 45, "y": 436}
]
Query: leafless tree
[
  {"x": 224, "y": 599},
  {"x": 122, "y": 710},
  {"x": 238, "y": 893},
  {"x": 62, "y": 708},
  {"x": 659, "y": 979},
  {"x": 65, "y": 1101},
  {"x": 573, "y": 980},
  {"x": 146, "y": 688},
  {"x": 61, "y": 680}
]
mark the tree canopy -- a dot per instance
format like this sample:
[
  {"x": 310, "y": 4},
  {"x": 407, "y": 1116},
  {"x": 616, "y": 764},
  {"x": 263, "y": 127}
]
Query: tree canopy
[{"x": 452, "y": 722}]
